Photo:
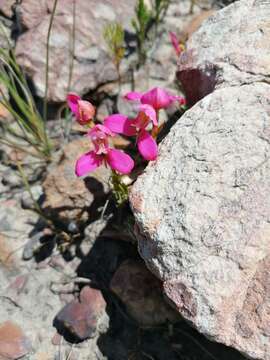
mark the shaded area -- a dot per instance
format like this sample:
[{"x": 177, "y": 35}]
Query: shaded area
[{"x": 197, "y": 82}]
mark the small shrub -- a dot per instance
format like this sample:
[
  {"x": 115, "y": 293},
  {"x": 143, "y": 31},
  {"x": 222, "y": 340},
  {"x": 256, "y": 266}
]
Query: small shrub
[{"x": 114, "y": 37}]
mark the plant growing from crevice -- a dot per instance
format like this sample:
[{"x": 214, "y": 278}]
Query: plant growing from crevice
[
  {"x": 145, "y": 18},
  {"x": 113, "y": 34},
  {"x": 144, "y": 127},
  {"x": 141, "y": 23}
]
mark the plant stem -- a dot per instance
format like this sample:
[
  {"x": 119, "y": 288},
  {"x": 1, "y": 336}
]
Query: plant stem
[
  {"x": 28, "y": 188},
  {"x": 118, "y": 75},
  {"x": 45, "y": 103},
  {"x": 72, "y": 47},
  {"x": 67, "y": 119}
]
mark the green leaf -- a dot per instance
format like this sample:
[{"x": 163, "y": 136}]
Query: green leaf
[{"x": 25, "y": 113}]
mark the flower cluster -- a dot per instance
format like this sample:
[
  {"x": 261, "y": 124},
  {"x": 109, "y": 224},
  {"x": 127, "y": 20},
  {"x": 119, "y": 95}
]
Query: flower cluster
[{"x": 144, "y": 127}]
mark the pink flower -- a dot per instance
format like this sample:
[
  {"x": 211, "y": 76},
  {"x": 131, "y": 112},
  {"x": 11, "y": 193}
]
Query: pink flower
[
  {"x": 175, "y": 43},
  {"x": 102, "y": 153},
  {"x": 121, "y": 124},
  {"x": 158, "y": 98},
  {"x": 83, "y": 110}
]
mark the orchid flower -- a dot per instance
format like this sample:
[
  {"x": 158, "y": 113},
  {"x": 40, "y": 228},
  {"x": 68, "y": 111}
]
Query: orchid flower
[
  {"x": 121, "y": 124},
  {"x": 178, "y": 47},
  {"x": 103, "y": 154},
  {"x": 83, "y": 110},
  {"x": 158, "y": 98}
]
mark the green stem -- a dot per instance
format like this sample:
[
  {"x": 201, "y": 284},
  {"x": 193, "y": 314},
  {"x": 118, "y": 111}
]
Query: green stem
[
  {"x": 28, "y": 188},
  {"x": 36, "y": 205},
  {"x": 45, "y": 104},
  {"x": 118, "y": 75},
  {"x": 72, "y": 47}
]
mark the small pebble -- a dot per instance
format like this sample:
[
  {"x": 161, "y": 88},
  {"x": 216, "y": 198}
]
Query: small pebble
[
  {"x": 32, "y": 246},
  {"x": 26, "y": 200},
  {"x": 56, "y": 340},
  {"x": 73, "y": 228},
  {"x": 11, "y": 178}
]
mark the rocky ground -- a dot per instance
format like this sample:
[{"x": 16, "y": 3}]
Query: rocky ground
[
  {"x": 72, "y": 282},
  {"x": 98, "y": 289}
]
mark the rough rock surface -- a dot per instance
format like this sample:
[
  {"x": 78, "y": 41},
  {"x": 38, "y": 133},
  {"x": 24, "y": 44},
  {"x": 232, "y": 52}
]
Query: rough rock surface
[
  {"x": 26, "y": 299},
  {"x": 141, "y": 292},
  {"x": 91, "y": 64},
  {"x": 13, "y": 239},
  {"x": 30, "y": 292},
  {"x": 203, "y": 214},
  {"x": 67, "y": 197},
  {"x": 231, "y": 48}
]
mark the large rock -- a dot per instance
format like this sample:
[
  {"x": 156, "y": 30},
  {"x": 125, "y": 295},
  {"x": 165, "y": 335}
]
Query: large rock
[
  {"x": 86, "y": 317},
  {"x": 92, "y": 66},
  {"x": 203, "y": 217},
  {"x": 232, "y": 47}
]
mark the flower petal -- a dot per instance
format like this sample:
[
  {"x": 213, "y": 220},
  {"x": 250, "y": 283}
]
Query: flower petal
[
  {"x": 120, "y": 124},
  {"x": 86, "y": 112},
  {"x": 120, "y": 161},
  {"x": 72, "y": 100},
  {"x": 133, "y": 96},
  {"x": 100, "y": 131},
  {"x": 147, "y": 146},
  {"x": 175, "y": 42},
  {"x": 150, "y": 112},
  {"x": 157, "y": 97},
  {"x": 87, "y": 162}
]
